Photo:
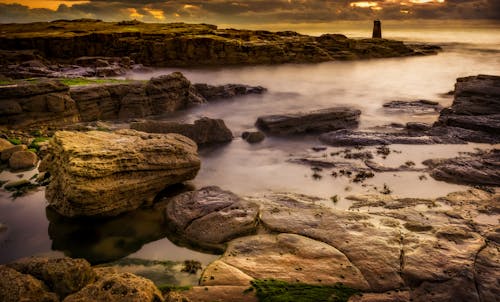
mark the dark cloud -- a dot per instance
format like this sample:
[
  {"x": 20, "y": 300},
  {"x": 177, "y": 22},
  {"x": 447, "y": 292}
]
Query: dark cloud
[{"x": 256, "y": 11}]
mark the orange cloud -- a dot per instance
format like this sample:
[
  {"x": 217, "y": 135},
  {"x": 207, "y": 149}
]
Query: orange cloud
[{"x": 50, "y": 4}]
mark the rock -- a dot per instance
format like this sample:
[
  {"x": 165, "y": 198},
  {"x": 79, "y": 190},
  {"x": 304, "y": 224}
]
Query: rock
[
  {"x": 203, "y": 131},
  {"x": 477, "y": 169},
  {"x": 391, "y": 296},
  {"x": 23, "y": 160},
  {"x": 316, "y": 121},
  {"x": 176, "y": 44},
  {"x": 487, "y": 272},
  {"x": 219, "y": 293},
  {"x": 416, "y": 107},
  {"x": 118, "y": 287},
  {"x": 416, "y": 126},
  {"x": 253, "y": 137},
  {"x": 105, "y": 174},
  {"x": 5, "y": 144},
  {"x": 36, "y": 103},
  {"x": 15, "y": 287},
  {"x": 365, "y": 138},
  {"x": 210, "y": 216},
  {"x": 63, "y": 276},
  {"x": 15, "y": 185},
  {"x": 227, "y": 91},
  {"x": 7, "y": 152}
]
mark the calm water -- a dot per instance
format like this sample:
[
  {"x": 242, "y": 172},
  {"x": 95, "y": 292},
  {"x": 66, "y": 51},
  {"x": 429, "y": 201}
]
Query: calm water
[{"x": 257, "y": 169}]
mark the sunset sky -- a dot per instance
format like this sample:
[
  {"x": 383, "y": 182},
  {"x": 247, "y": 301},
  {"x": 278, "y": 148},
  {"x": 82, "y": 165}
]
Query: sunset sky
[{"x": 249, "y": 11}]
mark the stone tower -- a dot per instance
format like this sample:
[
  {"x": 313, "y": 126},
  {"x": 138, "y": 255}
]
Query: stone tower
[{"x": 377, "y": 29}]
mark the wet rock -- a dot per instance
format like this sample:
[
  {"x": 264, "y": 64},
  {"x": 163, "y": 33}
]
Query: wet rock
[
  {"x": 227, "y": 91},
  {"x": 23, "y": 160},
  {"x": 203, "y": 131},
  {"x": 101, "y": 173},
  {"x": 365, "y": 138},
  {"x": 315, "y": 121},
  {"x": 416, "y": 126},
  {"x": 36, "y": 103},
  {"x": 7, "y": 152},
  {"x": 253, "y": 137},
  {"x": 480, "y": 169},
  {"x": 15, "y": 287},
  {"x": 118, "y": 287},
  {"x": 210, "y": 216},
  {"x": 416, "y": 107},
  {"x": 381, "y": 168},
  {"x": 63, "y": 276}
]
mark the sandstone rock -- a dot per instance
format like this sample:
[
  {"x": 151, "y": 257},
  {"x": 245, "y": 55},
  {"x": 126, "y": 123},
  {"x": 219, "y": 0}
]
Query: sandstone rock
[
  {"x": 211, "y": 92},
  {"x": 253, "y": 137},
  {"x": 23, "y": 160},
  {"x": 203, "y": 131},
  {"x": 7, "y": 152},
  {"x": 479, "y": 169},
  {"x": 5, "y": 144},
  {"x": 487, "y": 271},
  {"x": 316, "y": 121},
  {"x": 15, "y": 287},
  {"x": 118, "y": 287},
  {"x": 392, "y": 296},
  {"x": 219, "y": 293},
  {"x": 101, "y": 173},
  {"x": 63, "y": 276}
]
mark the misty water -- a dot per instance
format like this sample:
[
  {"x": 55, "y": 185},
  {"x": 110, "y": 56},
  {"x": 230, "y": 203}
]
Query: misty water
[{"x": 258, "y": 169}]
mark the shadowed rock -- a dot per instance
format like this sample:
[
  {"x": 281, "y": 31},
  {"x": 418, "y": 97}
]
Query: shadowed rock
[
  {"x": 227, "y": 91},
  {"x": 15, "y": 287},
  {"x": 203, "y": 131},
  {"x": 315, "y": 121}
]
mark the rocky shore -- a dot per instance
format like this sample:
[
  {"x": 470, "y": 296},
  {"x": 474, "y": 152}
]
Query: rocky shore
[{"x": 96, "y": 48}]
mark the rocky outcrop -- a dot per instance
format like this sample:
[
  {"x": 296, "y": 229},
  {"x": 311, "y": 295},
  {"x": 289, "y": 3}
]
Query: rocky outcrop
[
  {"x": 63, "y": 276},
  {"x": 179, "y": 44},
  {"x": 43, "y": 102},
  {"x": 211, "y": 92},
  {"x": 72, "y": 280},
  {"x": 481, "y": 168},
  {"x": 319, "y": 121},
  {"x": 132, "y": 100},
  {"x": 385, "y": 244},
  {"x": 476, "y": 106},
  {"x": 101, "y": 173},
  {"x": 203, "y": 131}
]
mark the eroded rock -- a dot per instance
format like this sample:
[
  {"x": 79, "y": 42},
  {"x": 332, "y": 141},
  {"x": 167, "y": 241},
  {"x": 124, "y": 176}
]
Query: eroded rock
[
  {"x": 101, "y": 173},
  {"x": 15, "y": 287}
]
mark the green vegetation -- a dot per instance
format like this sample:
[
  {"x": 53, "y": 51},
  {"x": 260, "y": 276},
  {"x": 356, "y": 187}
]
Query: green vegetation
[
  {"x": 15, "y": 141},
  {"x": 280, "y": 291},
  {"x": 6, "y": 82},
  {"x": 35, "y": 144},
  {"x": 87, "y": 81}
]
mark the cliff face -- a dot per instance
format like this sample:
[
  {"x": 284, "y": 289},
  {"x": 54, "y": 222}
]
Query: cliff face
[{"x": 179, "y": 44}]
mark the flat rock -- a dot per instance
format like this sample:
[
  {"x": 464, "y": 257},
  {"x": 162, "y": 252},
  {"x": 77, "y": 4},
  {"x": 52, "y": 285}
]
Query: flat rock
[
  {"x": 63, "y": 276},
  {"x": 476, "y": 169},
  {"x": 315, "y": 121},
  {"x": 366, "y": 138},
  {"x": 416, "y": 107},
  {"x": 203, "y": 131},
  {"x": 102, "y": 173},
  {"x": 211, "y": 92},
  {"x": 23, "y": 160},
  {"x": 118, "y": 287},
  {"x": 15, "y": 287}
]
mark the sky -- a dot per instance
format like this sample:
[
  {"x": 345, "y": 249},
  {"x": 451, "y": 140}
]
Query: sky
[{"x": 247, "y": 12}]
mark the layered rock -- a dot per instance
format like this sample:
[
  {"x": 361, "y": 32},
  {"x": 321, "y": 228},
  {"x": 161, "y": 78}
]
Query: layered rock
[
  {"x": 203, "y": 131},
  {"x": 101, "y": 173},
  {"x": 319, "y": 121},
  {"x": 33, "y": 104},
  {"x": 179, "y": 44},
  {"x": 416, "y": 107},
  {"x": 211, "y": 92},
  {"x": 131, "y": 100},
  {"x": 368, "y": 138}
]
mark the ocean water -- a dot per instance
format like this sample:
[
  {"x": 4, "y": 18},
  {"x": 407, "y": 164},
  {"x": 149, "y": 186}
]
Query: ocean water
[{"x": 246, "y": 169}]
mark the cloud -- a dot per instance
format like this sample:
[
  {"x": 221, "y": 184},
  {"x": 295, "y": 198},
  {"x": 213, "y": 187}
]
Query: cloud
[{"x": 254, "y": 11}]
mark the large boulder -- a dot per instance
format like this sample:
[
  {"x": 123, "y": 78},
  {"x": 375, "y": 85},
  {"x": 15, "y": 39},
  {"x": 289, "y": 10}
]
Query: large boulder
[
  {"x": 319, "y": 121},
  {"x": 101, "y": 173},
  {"x": 63, "y": 276},
  {"x": 15, "y": 287},
  {"x": 203, "y": 131}
]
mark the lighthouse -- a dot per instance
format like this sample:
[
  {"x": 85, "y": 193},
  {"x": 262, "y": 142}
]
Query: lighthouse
[{"x": 377, "y": 29}]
